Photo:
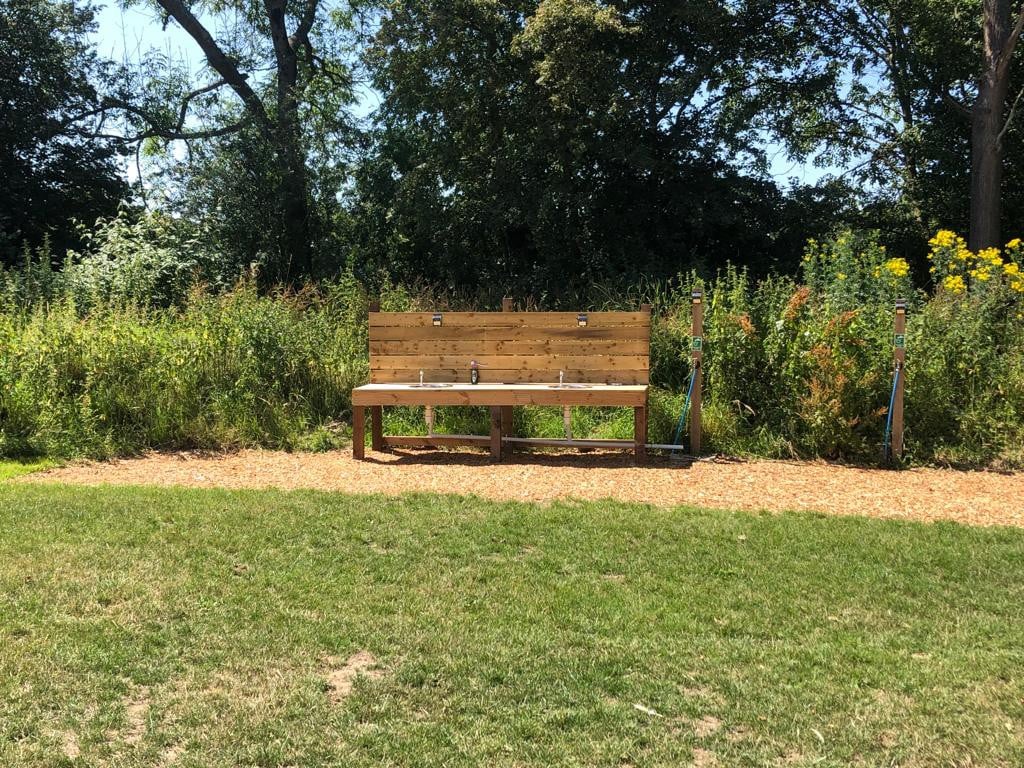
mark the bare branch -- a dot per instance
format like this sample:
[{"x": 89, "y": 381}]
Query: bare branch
[
  {"x": 1003, "y": 59},
  {"x": 1009, "y": 116},
  {"x": 187, "y": 99},
  {"x": 220, "y": 61}
]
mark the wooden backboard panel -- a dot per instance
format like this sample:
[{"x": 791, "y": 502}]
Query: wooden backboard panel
[{"x": 511, "y": 347}]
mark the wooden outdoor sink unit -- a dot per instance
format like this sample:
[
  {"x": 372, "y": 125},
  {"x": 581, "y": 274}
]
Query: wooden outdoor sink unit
[{"x": 524, "y": 358}]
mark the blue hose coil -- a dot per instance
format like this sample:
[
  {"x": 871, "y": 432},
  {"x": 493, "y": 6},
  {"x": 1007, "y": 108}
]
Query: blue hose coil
[
  {"x": 686, "y": 410},
  {"x": 887, "y": 440}
]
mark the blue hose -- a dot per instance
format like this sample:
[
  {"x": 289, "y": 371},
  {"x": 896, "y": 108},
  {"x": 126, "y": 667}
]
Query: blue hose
[
  {"x": 887, "y": 440},
  {"x": 686, "y": 410}
]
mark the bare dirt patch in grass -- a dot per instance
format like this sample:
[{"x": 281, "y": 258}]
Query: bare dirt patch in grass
[
  {"x": 171, "y": 755},
  {"x": 69, "y": 745},
  {"x": 341, "y": 676},
  {"x": 136, "y": 709},
  {"x": 704, "y": 758},
  {"x": 974, "y": 498},
  {"x": 706, "y": 726}
]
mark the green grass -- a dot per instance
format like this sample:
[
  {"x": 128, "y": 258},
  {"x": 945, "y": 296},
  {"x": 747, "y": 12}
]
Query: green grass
[
  {"x": 9, "y": 469},
  {"x": 144, "y": 627}
]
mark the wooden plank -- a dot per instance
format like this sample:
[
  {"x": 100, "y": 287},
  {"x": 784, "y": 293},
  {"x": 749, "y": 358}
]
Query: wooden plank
[
  {"x": 514, "y": 362},
  {"x": 358, "y": 431},
  {"x": 461, "y": 346},
  {"x": 435, "y": 441},
  {"x": 513, "y": 319},
  {"x": 486, "y": 396},
  {"x": 507, "y": 376},
  {"x": 509, "y": 333},
  {"x": 583, "y": 445}
]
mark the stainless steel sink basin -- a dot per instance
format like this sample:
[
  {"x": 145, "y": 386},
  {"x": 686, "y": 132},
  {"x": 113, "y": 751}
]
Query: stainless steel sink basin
[{"x": 431, "y": 385}]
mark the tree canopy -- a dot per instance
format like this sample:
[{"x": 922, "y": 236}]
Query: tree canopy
[
  {"x": 537, "y": 145},
  {"x": 54, "y": 170}
]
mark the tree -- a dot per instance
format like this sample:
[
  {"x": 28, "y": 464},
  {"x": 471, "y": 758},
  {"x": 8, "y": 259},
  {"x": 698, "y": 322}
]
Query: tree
[
  {"x": 301, "y": 45},
  {"x": 919, "y": 111},
  {"x": 990, "y": 120},
  {"x": 563, "y": 142},
  {"x": 52, "y": 173}
]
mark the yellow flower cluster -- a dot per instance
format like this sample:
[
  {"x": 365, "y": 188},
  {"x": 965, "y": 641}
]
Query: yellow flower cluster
[
  {"x": 991, "y": 256},
  {"x": 898, "y": 267},
  {"x": 954, "y": 284},
  {"x": 953, "y": 259},
  {"x": 944, "y": 238}
]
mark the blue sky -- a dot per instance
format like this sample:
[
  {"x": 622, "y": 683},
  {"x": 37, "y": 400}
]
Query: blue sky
[{"x": 126, "y": 34}]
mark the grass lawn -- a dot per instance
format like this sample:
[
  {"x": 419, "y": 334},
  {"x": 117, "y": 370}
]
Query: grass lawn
[
  {"x": 9, "y": 469},
  {"x": 145, "y": 627}
]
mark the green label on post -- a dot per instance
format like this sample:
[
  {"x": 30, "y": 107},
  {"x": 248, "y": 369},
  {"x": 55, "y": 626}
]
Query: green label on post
[
  {"x": 698, "y": 344},
  {"x": 900, "y": 341}
]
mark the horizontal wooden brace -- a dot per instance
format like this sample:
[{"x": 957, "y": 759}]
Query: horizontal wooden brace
[{"x": 510, "y": 319}]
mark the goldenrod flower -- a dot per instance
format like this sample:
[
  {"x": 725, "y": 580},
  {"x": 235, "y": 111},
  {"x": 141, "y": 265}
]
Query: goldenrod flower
[
  {"x": 898, "y": 267},
  {"x": 991, "y": 255},
  {"x": 944, "y": 238},
  {"x": 954, "y": 284},
  {"x": 1011, "y": 269},
  {"x": 1015, "y": 243}
]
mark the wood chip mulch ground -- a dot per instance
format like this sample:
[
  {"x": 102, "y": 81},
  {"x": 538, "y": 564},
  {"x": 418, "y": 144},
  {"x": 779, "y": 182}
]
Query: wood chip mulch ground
[{"x": 975, "y": 498}]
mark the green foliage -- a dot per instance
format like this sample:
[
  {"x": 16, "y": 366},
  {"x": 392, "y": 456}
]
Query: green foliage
[
  {"x": 87, "y": 366},
  {"x": 53, "y": 172},
  {"x": 224, "y": 370},
  {"x": 134, "y": 258},
  {"x": 548, "y": 145}
]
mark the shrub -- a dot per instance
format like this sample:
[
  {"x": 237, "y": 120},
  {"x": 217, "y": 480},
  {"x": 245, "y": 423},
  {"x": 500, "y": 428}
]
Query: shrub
[{"x": 99, "y": 360}]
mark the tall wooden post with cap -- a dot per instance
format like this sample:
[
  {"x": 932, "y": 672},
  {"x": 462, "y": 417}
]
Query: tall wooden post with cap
[
  {"x": 900, "y": 355},
  {"x": 507, "y": 305},
  {"x": 696, "y": 357}
]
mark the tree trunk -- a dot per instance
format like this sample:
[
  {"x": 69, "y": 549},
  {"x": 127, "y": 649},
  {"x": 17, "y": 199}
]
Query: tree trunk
[
  {"x": 296, "y": 224},
  {"x": 293, "y": 206},
  {"x": 987, "y": 125}
]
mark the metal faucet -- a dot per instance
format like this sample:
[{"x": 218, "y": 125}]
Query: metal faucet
[{"x": 421, "y": 378}]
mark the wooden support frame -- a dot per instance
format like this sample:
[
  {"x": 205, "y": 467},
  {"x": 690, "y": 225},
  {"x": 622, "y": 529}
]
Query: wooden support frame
[
  {"x": 507, "y": 413},
  {"x": 423, "y": 358},
  {"x": 697, "y": 361},
  {"x": 899, "y": 360}
]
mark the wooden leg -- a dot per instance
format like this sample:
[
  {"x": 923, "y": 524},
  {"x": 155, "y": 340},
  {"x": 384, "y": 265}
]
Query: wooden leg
[
  {"x": 377, "y": 427},
  {"x": 640, "y": 432},
  {"x": 496, "y": 434},
  {"x": 506, "y": 428},
  {"x": 358, "y": 432}
]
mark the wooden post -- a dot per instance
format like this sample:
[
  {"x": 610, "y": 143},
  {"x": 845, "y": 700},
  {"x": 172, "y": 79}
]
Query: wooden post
[
  {"x": 696, "y": 360},
  {"x": 900, "y": 356},
  {"x": 377, "y": 427},
  {"x": 507, "y": 305},
  {"x": 496, "y": 433},
  {"x": 358, "y": 432},
  {"x": 376, "y": 412},
  {"x": 640, "y": 432},
  {"x": 640, "y": 417}
]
